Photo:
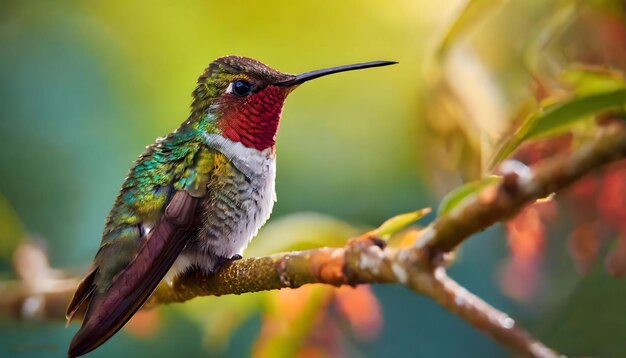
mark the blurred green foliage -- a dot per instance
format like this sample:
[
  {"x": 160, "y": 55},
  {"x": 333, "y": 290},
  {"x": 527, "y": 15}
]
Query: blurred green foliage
[
  {"x": 84, "y": 86},
  {"x": 11, "y": 234}
]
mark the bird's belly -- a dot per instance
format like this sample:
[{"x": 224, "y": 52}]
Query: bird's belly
[
  {"x": 234, "y": 213},
  {"x": 236, "y": 207}
]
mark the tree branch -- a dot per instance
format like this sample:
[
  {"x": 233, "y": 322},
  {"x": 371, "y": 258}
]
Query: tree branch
[
  {"x": 361, "y": 262},
  {"x": 419, "y": 267},
  {"x": 481, "y": 315},
  {"x": 521, "y": 186}
]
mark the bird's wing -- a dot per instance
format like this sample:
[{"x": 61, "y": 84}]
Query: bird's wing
[
  {"x": 154, "y": 217},
  {"x": 108, "y": 312},
  {"x": 82, "y": 296}
]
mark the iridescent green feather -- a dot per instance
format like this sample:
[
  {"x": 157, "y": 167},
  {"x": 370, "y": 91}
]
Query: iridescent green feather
[{"x": 177, "y": 161}]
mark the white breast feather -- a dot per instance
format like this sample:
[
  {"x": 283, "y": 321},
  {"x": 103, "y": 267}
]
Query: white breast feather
[{"x": 260, "y": 168}]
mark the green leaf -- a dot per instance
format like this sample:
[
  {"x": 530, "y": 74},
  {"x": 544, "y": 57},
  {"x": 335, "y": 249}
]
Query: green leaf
[
  {"x": 469, "y": 16},
  {"x": 399, "y": 222},
  {"x": 558, "y": 118},
  {"x": 457, "y": 196}
]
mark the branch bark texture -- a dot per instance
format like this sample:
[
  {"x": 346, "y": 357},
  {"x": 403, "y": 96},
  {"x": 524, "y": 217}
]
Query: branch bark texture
[{"x": 420, "y": 267}]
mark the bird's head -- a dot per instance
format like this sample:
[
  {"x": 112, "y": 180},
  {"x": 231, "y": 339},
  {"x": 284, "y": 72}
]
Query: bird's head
[{"x": 246, "y": 97}]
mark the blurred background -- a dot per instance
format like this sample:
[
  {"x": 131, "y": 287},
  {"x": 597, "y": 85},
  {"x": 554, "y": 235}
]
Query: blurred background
[{"x": 85, "y": 86}]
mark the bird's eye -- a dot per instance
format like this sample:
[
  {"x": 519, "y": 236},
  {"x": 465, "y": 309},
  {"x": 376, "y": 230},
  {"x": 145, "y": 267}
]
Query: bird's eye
[{"x": 242, "y": 88}]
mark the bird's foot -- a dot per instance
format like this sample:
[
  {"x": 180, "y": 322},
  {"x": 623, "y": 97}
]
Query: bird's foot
[{"x": 221, "y": 261}]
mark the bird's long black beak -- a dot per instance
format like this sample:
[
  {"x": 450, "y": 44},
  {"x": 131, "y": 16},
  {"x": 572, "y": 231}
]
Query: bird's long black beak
[{"x": 307, "y": 76}]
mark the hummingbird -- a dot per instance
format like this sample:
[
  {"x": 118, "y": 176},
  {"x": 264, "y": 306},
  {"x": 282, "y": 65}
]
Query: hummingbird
[{"x": 195, "y": 198}]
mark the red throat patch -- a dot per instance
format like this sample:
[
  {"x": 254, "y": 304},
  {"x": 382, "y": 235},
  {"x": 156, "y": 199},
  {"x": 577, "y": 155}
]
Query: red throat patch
[{"x": 254, "y": 121}]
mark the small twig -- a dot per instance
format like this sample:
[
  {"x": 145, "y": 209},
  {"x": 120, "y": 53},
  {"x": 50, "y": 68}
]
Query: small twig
[{"x": 497, "y": 324}]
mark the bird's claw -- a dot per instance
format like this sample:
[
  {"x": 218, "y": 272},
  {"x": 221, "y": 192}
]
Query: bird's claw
[{"x": 221, "y": 261}]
